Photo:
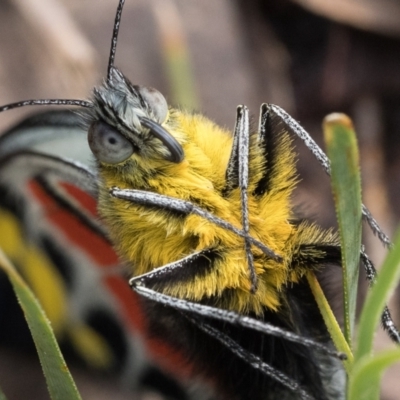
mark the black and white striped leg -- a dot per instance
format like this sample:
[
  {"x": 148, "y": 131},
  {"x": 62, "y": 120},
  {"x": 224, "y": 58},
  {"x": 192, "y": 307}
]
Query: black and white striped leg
[
  {"x": 386, "y": 318},
  {"x": 294, "y": 127},
  {"x": 185, "y": 207},
  {"x": 243, "y": 131},
  {"x": 251, "y": 359},
  {"x": 178, "y": 272},
  {"x": 137, "y": 284}
]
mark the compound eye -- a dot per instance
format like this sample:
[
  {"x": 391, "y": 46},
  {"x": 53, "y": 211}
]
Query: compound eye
[
  {"x": 107, "y": 144},
  {"x": 156, "y": 101}
]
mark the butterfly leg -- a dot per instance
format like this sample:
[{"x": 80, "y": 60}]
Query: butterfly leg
[
  {"x": 273, "y": 111},
  {"x": 185, "y": 207},
  {"x": 252, "y": 359},
  {"x": 237, "y": 175},
  {"x": 294, "y": 127},
  {"x": 179, "y": 271}
]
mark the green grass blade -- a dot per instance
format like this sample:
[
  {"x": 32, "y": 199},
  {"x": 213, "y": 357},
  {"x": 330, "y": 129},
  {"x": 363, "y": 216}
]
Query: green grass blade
[
  {"x": 176, "y": 55},
  {"x": 342, "y": 151},
  {"x": 377, "y": 297},
  {"x": 330, "y": 321},
  {"x": 364, "y": 383},
  {"x": 59, "y": 380}
]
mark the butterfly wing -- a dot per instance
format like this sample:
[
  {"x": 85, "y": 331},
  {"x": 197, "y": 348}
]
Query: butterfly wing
[{"x": 51, "y": 232}]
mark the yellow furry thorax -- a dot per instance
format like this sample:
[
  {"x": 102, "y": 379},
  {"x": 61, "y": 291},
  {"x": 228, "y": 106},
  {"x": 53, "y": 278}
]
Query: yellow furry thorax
[{"x": 150, "y": 237}]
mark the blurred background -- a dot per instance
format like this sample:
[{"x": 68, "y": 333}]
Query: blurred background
[{"x": 311, "y": 57}]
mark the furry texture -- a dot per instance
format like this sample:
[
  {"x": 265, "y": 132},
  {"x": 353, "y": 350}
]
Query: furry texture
[{"x": 148, "y": 236}]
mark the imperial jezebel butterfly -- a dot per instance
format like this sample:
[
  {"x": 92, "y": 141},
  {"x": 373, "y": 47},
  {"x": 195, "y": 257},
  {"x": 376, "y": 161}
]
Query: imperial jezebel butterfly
[{"x": 203, "y": 221}]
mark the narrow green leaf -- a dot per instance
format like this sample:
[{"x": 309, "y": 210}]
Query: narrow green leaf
[
  {"x": 342, "y": 150},
  {"x": 364, "y": 382},
  {"x": 377, "y": 297},
  {"x": 59, "y": 380},
  {"x": 330, "y": 321}
]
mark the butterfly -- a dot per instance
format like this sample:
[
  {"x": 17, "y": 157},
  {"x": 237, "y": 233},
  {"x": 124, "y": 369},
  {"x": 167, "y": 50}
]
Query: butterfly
[{"x": 204, "y": 222}]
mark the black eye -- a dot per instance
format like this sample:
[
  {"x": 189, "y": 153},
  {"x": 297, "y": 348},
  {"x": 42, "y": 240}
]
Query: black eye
[{"x": 107, "y": 144}]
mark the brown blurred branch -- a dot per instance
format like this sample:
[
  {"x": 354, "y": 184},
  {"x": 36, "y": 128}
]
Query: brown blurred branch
[{"x": 71, "y": 51}]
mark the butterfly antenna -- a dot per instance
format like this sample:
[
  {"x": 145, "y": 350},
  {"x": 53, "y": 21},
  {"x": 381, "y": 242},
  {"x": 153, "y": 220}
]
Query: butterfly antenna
[
  {"x": 47, "y": 102},
  {"x": 80, "y": 103},
  {"x": 114, "y": 40}
]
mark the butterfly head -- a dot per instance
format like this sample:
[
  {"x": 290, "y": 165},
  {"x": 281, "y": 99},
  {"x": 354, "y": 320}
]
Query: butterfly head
[{"x": 126, "y": 121}]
